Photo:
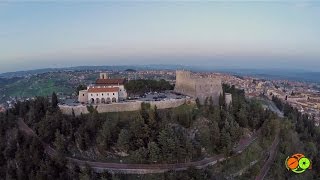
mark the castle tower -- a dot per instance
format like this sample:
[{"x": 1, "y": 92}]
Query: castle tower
[
  {"x": 103, "y": 76},
  {"x": 197, "y": 87},
  {"x": 228, "y": 98},
  {"x": 184, "y": 83}
]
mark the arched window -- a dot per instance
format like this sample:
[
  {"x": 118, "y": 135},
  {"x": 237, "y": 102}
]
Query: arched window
[
  {"x": 108, "y": 100},
  {"x": 103, "y": 100}
]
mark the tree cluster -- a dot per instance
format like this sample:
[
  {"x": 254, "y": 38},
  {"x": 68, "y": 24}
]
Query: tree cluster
[
  {"x": 141, "y": 86},
  {"x": 79, "y": 88},
  {"x": 227, "y": 122},
  {"x": 147, "y": 136}
]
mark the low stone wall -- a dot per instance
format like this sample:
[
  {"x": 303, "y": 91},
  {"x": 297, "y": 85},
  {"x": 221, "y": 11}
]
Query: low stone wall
[
  {"x": 120, "y": 107},
  {"x": 167, "y": 103}
]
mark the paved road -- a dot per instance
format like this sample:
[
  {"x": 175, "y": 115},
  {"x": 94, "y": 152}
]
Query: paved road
[
  {"x": 272, "y": 154},
  {"x": 274, "y": 147},
  {"x": 143, "y": 168}
]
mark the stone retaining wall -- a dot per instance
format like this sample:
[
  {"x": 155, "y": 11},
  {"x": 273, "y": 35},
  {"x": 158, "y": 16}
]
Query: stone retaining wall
[{"x": 120, "y": 107}]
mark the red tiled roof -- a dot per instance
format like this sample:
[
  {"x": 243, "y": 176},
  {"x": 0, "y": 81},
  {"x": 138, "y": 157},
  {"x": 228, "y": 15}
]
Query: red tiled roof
[
  {"x": 97, "y": 90},
  {"x": 110, "y": 81}
]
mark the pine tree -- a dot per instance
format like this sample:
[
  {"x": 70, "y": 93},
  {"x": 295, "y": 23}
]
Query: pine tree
[
  {"x": 80, "y": 87},
  {"x": 235, "y": 131},
  {"x": 73, "y": 114},
  {"x": 215, "y": 134},
  {"x": 225, "y": 141},
  {"x": 123, "y": 142},
  {"x": 198, "y": 103},
  {"x": 189, "y": 149},
  {"x": 216, "y": 115},
  {"x": 154, "y": 152},
  {"x": 211, "y": 104},
  {"x": 242, "y": 117},
  {"x": 139, "y": 155},
  {"x": 86, "y": 173},
  {"x": 222, "y": 102},
  {"x": 205, "y": 136},
  {"x": 104, "y": 135},
  {"x": 153, "y": 123},
  {"x": 140, "y": 132},
  {"x": 206, "y": 102},
  {"x": 54, "y": 100},
  {"x": 167, "y": 144},
  {"x": 59, "y": 142},
  {"x": 145, "y": 107}
]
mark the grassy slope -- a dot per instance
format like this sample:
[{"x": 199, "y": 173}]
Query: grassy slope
[
  {"x": 35, "y": 87},
  {"x": 45, "y": 84}
]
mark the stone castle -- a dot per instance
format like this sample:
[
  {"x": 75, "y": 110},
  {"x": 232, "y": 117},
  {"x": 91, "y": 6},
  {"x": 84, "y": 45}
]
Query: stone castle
[
  {"x": 101, "y": 94},
  {"x": 199, "y": 87}
]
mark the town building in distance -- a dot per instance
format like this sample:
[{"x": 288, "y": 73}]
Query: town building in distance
[
  {"x": 199, "y": 87},
  {"x": 104, "y": 91}
]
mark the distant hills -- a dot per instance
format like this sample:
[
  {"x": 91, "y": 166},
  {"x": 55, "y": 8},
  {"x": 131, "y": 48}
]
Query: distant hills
[
  {"x": 294, "y": 75},
  {"x": 93, "y": 68},
  {"x": 274, "y": 74},
  {"x": 130, "y": 70}
]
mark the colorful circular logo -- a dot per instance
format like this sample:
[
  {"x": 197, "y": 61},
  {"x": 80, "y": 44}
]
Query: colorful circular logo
[{"x": 298, "y": 163}]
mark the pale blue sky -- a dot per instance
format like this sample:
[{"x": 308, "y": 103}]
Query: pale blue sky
[{"x": 283, "y": 34}]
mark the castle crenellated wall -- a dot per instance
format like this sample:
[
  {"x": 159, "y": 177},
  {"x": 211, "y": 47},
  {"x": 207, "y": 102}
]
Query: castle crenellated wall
[
  {"x": 208, "y": 87},
  {"x": 198, "y": 87},
  {"x": 184, "y": 83}
]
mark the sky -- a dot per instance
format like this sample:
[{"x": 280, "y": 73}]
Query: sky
[{"x": 226, "y": 34}]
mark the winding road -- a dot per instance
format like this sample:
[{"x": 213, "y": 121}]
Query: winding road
[
  {"x": 274, "y": 147},
  {"x": 272, "y": 155},
  {"x": 142, "y": 168}
]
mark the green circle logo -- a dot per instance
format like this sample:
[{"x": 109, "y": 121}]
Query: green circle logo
[{"x": 304, "y": 163}]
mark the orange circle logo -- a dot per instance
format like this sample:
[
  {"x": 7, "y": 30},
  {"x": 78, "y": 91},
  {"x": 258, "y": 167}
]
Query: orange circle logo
[{"x": 292, "y": 163}]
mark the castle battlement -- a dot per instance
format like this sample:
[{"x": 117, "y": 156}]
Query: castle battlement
[{"x": 196, "y": 86}]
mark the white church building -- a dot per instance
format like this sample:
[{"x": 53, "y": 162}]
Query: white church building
[{"x": 104, "y": 91}]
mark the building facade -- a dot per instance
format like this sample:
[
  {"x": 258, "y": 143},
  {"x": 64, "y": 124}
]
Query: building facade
[{"x": 104, "y": 91}]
